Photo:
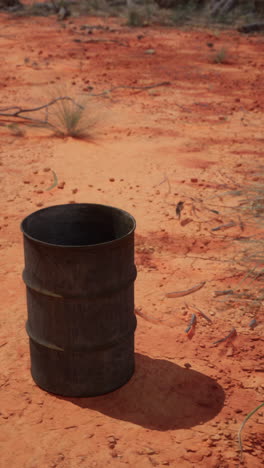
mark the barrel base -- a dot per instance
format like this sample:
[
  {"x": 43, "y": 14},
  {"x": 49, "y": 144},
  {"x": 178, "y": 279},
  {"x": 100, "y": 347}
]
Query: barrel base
[{"x": 80, "y": 374}]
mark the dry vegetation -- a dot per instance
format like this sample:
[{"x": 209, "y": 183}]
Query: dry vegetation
[
  {"x": 241, "y": 207},
  {"x": 235, "y": 13}
]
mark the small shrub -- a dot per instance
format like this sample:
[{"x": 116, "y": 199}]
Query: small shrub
[
  {"x": 220, "y": 56},
  {"x": 70, "y": 117},
  {"x": 183, "y": 12},
  {"x": 134, "y": 18}
]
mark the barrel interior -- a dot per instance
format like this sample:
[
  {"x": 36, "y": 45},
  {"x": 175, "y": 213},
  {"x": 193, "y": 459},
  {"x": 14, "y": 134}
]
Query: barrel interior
[{"x": 78, "y": 224}]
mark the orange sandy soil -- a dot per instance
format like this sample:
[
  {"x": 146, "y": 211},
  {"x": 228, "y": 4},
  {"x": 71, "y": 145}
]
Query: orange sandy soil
[{"x": 204, "y": 132}]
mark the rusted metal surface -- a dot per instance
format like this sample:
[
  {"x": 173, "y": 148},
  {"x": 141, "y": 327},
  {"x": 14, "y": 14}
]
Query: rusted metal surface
[{"x": 80, "y": 273}]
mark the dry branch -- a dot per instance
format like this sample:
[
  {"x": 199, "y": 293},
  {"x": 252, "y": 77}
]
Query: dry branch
[
  {"x": 95, "y": 41},
  {"x": 222, "y": 7},
  {"x": 18, "y": 112},
  {"x": 229, "y": 337},
  {"x": 138, "y": 88},
  {"x": 185, "y": 292},
  {"x": 242, "y": 426}
]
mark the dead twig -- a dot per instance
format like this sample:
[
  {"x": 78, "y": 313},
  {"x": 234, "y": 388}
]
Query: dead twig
[
  {"x": 224, "y": 226},
  {"x": 147, "y": 317},
  {"x": 242, "y": 427},
  {"x": 165, "y": 178},
  {"x": 223, "y": 293},
  {"x": 94, "y": 41},
  {"x": 186, "y": 292},
  {"x": 222, "y": 7},
  {"x": 55, "y": 181},
  {"x": 17, "y": 112},
  {"x": 191, "y": 327},
  {"x": 200, "y": 312},
  {"x": 229, "y": 337},
  {"x": 139, "y": 88}
]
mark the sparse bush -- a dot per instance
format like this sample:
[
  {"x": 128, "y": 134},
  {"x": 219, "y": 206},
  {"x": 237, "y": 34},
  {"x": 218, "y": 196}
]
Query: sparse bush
[
  {"x": 134, "y": 18},
  {"x": 220, "y": 56},
  {"x": 250, "y": 211},
  {"x": 10, "y": 4},
  {"x": 184, "y": 12},
  {"x": 64, "y": 115},
  {"x": 71, "y": 117}
]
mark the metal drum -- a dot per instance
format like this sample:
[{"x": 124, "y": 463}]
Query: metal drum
[{"x": 80, "y": 273}]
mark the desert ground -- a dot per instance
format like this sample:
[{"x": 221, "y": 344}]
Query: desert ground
[{"x": 170, "y": 125}]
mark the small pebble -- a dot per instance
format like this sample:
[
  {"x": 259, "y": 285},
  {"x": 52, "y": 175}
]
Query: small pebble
[{"x": 253, "y": 323}]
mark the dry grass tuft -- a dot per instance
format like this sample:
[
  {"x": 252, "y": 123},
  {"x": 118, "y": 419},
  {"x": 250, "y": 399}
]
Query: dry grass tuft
[{"x": 73, "y": 116}]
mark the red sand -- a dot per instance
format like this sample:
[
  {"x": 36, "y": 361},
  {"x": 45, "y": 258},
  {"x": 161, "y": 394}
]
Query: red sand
[{"x": 204, "y": 132}]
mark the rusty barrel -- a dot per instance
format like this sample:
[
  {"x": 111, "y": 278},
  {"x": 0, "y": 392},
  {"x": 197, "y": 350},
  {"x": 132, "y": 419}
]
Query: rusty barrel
[{"x": 79, "y": 275}]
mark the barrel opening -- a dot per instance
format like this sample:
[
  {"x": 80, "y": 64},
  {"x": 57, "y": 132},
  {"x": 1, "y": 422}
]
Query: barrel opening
[{"x": 78, "y": 224}]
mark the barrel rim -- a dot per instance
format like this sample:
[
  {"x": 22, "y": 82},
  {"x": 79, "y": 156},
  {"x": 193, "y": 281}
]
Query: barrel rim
[{"x": 84, "y": 246}]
